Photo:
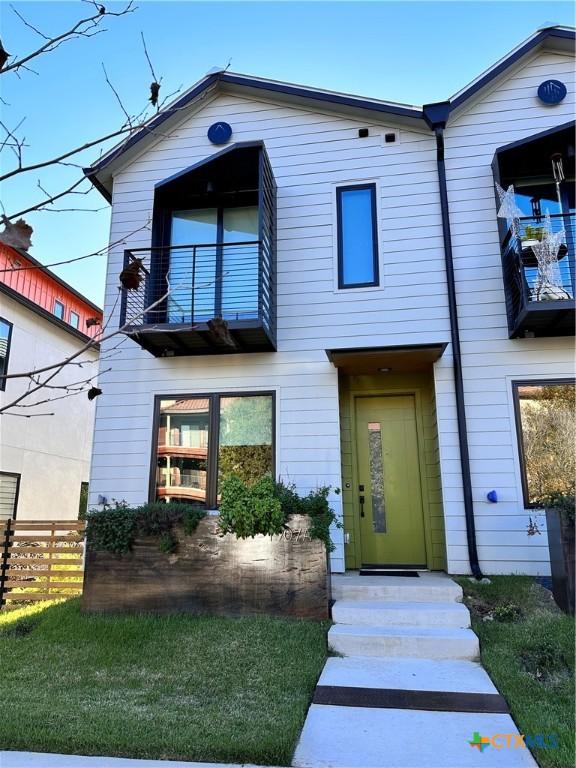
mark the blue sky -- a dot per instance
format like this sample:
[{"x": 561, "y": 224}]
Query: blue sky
[{"x": 413, "y": 52}]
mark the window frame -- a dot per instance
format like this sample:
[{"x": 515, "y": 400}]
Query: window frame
[
  {"x": 516, "y": 384},
  {"x": 18, "y": 477},
  {"x": 375, "y": 245},
  {"x": 8, "y": 347},
  {"x": 77, "y": 315},
  {"x": 61, "y": 303},
  {"x": 213, "y": 436}
]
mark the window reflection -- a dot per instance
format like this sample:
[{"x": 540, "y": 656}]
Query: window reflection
[{"x": 182, "y": 456}]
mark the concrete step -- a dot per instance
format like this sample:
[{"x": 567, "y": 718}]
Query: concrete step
[
  {"x": 425, "y": 588},
  {"x": 382, "y": 613},
  {"x": 359, "y": 737},
  {"x": 420, "y": 642},
  {"x": 407, "y": 674}
]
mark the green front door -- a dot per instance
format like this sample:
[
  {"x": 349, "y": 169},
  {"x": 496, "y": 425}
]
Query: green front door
[{"x": 389, "y": 489}]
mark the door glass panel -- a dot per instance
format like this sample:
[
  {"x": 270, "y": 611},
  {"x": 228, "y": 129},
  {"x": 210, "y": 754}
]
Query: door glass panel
[
  {"x": 192, "y": 272},
  {"x": 182, "y": 453},
  {"x": 376, "y": 476},
  {"x": 245, "y": 447},
  {"x": 240, "y": 263}
]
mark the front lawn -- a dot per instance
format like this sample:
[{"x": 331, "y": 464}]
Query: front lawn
[
  {"x": 527, "y": 647},
  {"x": 174, "y": 687}
]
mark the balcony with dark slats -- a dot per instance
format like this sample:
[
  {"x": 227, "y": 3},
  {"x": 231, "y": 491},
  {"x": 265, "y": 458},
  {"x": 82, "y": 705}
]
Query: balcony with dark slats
[
  {"x": 182, "y": 297},
  {"x": 202, "y": 299},
  {"x": 537, "y": 306}
]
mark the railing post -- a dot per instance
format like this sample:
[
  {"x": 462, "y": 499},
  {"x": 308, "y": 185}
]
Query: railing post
[
  {"x": 571, "y": 255},
  {"x": 4, "y": 560},
  {"x": 260, "y": 280},
  {"x": 123, "y": 292},
  {"x": 193, "y": 287}
]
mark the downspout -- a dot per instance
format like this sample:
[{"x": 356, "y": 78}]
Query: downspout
[{"x": 436, "y": 116}]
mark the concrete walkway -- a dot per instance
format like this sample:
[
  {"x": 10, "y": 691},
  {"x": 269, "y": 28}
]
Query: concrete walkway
[
  {"x": 42, "y": 760},
  {"x": 403, "y": 693}
]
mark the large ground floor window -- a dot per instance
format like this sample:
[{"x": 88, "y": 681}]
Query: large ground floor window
[
  {"x": 200, "y": 440},
  {"x": 546, "y": 425}
]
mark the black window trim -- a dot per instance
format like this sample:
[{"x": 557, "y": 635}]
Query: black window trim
[
  {"x": 516, "y": 384},
  {"x": 8, "y": 346},
  {"x": 376, "y": 266},
  {"x": 57, "y": 301},
  {"x": 18, "y": 477},
  {"x": 213, "y": 436}
]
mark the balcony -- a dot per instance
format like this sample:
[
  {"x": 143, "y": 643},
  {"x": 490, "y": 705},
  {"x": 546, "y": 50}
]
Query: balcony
[
  {"x": 537, "y": 303},
  {"x": 202, "y": 299}
]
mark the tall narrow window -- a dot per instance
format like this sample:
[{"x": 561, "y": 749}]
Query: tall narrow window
[
  {"x": 5, "y": 336},
  {"x": 182, "y": 452},
  {"x": 202, "y": 440},
  {"x": 74, "y": 319},
  {"x": 546, "y": 423},
  {"x": 9, "y": 485},
  {"x": 58, "y": 309},
  {"x": 357, "y": 236}
]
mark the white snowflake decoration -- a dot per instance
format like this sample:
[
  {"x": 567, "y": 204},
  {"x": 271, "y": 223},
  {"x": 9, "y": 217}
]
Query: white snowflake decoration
[{"x": 509, "y": 209}]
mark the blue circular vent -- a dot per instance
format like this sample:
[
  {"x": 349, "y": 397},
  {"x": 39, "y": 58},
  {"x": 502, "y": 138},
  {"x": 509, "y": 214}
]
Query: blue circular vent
[
  {"x": 551, "y": 91},
  {"x": 219, "y": 133}
]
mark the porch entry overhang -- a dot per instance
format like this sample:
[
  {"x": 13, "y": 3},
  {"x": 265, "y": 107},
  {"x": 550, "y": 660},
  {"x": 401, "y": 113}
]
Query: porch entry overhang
[
  {"x": 392, "y": 495},
  {"x": 386, "y": 359}
]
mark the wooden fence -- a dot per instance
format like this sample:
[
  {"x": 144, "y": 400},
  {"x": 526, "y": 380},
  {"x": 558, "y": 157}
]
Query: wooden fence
[{"x": 41, "y": 560}]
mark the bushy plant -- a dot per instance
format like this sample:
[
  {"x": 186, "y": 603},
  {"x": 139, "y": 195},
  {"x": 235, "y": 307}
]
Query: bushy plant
[
  {"x": 565, "y": 503},
  {"x": 115, "y": 528},
  {"x": 168, "y": 543},
  {"x": 507, "y": 612},
  {"x": 112, "y": 529},
  {"x": 250, "y": 510},
  {"x": 266, "y": 506}
]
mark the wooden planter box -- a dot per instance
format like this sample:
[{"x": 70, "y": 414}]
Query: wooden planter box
[
  {"x": 561, "y": 548},
  {"x": 285, "y": 575}
]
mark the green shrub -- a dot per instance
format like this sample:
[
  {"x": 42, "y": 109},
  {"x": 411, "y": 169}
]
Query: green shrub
[
  {"x": 114, "y": 529},
  {"x": 564, "y": 502},
  {"x": 250, "y": 510},
  {"x": 168, "y": 543},
  {"x": 507, "y": 612},
  {"x": 266, "y": 506}
]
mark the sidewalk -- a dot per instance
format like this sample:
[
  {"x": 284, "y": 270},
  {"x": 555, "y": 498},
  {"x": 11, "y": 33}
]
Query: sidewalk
[{"x": 42, "y": 760}]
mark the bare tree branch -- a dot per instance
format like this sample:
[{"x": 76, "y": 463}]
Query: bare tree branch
[
  {"x": 101, "y": 252},
  {"x": 86, "y": 27}
]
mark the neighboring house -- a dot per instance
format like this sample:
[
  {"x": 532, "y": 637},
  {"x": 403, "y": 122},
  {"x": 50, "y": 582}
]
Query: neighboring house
[
  {"x": 44, "y": 459},
  {"x": 328, "y": 294}
]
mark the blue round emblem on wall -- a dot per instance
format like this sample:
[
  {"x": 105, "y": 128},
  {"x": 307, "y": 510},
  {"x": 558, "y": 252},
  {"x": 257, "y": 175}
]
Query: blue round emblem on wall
[
  {"x": 219, "y": 133},
  {"x": 551, "y": 91}
]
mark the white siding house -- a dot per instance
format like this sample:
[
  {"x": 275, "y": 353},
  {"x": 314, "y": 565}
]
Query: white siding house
[
  {"x": 379, "y": 356},
  {"x": 45, "y": 448}
]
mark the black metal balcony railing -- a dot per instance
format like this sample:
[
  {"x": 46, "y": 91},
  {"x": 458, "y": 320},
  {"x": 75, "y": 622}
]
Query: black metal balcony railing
[
  {"x": 537, "y": 299},
  {"x": 184, "y": 287}
]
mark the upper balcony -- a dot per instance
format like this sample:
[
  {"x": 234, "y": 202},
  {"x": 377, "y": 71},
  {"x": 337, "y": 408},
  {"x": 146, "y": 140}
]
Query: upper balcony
[
  {"x": 539, "y": 297},
  {"x": 207, "y": 284},
  {"x": 536, "y": 224},
  {"x": 202, "y": 299}
]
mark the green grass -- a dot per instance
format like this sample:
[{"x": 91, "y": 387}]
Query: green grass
[
  {"x": 529, "y": 656},
  {"x": 175, "y": 687}
]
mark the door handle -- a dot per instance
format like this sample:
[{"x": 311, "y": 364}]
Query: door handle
[{"x": 362, "y": 499}]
